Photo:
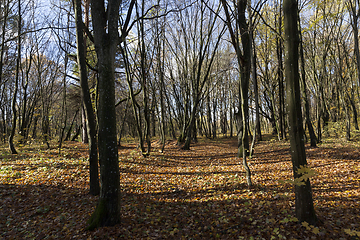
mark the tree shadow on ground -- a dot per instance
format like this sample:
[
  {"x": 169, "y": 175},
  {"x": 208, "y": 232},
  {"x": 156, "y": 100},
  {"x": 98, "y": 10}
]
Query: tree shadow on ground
[
  {"x": 43, "y": 211},
  {"x": 228, "y": 209}
]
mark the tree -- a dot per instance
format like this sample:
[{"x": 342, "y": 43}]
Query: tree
[
  {"x": 105, "y": 17},
  {"x": 144, "y": 75},
  {"x": 354, "y": 9},
  {"x": 201, "y": 68},
  {"x": 244, "y": 62},
  {"x": 269, "y": 46},
  {"x": 279, "y": 51},
  {"x": 17, "y": 76},
  {"x": 159, "y": 35},
  {"x": 304, "y": 207},
  {"x": 194, "y": 47},
  {"x": 85, "y": 93},
  {"x": 313, "y": 138}
]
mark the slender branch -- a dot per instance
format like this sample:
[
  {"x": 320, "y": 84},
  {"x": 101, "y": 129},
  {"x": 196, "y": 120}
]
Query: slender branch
[
  {"x": 125, "y": 31},
  {"x": 127, "y": 98}
]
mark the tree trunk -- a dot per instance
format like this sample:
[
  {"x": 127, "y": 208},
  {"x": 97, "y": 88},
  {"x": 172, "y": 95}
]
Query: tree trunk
[
  {"x": 144, "y": 78},
  {"x": 208, "y": 111},
  {"x": 18, "y": 61},
  {"x": 256, "y": 94},
  {"x": 171, "y": 110},
  {"x": 34, "y": 131},
  {"x": 231, "y": 117},
  {"x": 348, "y": 119},
  {"x": 160, "y": 56},
  {"x": 355, "y": 13},
  {"x": 84, "y": 135},
  {"x": 88, "y": 109},
  {"x": 129, "y": 81},
  {"x": 353, "y": 107},
  {"x": 279, "y": 48},
  {"x": 244, "y": 61},
  {"x": 240, "y": 133},
  {"x": 189, "y": 129},
  {"x": 63, "y": 118},
  {"x": 26, "y": 111},
  {"x": 4, "y": 19},
  {"x": 304, "y": 207},
  {"x": 162, "y": 106},
  {"x": 77, "y": 133},
  {"x": 105, "y": 25},
  {"x": 68, "y": 135},
  {"x": 313, "y": 138},
  {"x": 123, "y": 123},
  {"x": 214, "y": 125}
]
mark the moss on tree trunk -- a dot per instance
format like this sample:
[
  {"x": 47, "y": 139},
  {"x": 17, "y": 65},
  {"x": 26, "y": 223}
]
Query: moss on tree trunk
[{"x": 97, "y": 218}]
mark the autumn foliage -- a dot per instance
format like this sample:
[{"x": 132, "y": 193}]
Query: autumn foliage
[{"x": 195, "y": 194}]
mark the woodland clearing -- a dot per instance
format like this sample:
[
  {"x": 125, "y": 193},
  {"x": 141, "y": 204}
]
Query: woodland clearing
[{"x": 195, "y": 194}]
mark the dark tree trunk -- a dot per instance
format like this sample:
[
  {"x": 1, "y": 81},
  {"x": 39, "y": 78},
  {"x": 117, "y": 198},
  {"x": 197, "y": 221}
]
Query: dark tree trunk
[
  {"x": 144, "y": 80},
  {"x": 63, "y": 118},
  {"x": 348, "y": 121},
  {"x": 87, "y": 104},
  {"x": 279, "y": 49},
  {"x": 34, "y": 131},
  {"x": 18, "y": 61},
  {"x": 195, "y": 130},
  {"x": 353, "y": 107},
  {"x": 313, "y": 138},
  {"x": 68, "y": 135},
  {"x": 304, "y": 207},
  {"x": 129, "y": 81},
  {"x": 256, "y": 95},
  {"x": 123, "y": 123},
  {"x": 171, "y": 110},
  {"x": 162, "y": 106},
  {"x": 189, "y": 130},
  {"x": 244, "y": 61},
  {"x": 105, "y": 25},
  {"x": 231, "y": 118},
  {"x": 354, "y": 16},
  {"x": 208, "y": 111},
  {"x": 77, "y": 133},
  {"x": 26, "y": 111},
  {"x": 240, "y": 133}
]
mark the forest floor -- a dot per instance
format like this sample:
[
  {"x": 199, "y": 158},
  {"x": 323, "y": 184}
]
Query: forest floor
[{"x": 195, "y": 194}]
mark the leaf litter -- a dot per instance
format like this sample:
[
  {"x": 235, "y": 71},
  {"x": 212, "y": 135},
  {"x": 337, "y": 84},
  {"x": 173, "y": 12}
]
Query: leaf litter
[{"x": 195, "y": 194}]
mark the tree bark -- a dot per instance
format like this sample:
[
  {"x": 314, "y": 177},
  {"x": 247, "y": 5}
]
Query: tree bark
[
  {"x": 63, "y": 118},
  {"x": 354, "y": 16},
  {"x": 129, "y": 81},
  {"x": 77, "y": 133},
  {"x": 68, "y": 135},
  {"x": 18, "y": 61},
  {"x": 106, "y": 38},
  {"x": 313, "y": 138},
  {"x": 353, "y": 107},
  {"x": 279, "y": 50},
  {"x": 355, "y": 13},
  {"x": 27, "y": 110},
  {"x": 144, "y": 78},
  {"x": 244, "y": 61},
  {"x": 304, "y": 207},
  {"x": 256, "y": 93},
  {"x": 84, "y": 130},
  {"x": 86, "y": 99}
]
